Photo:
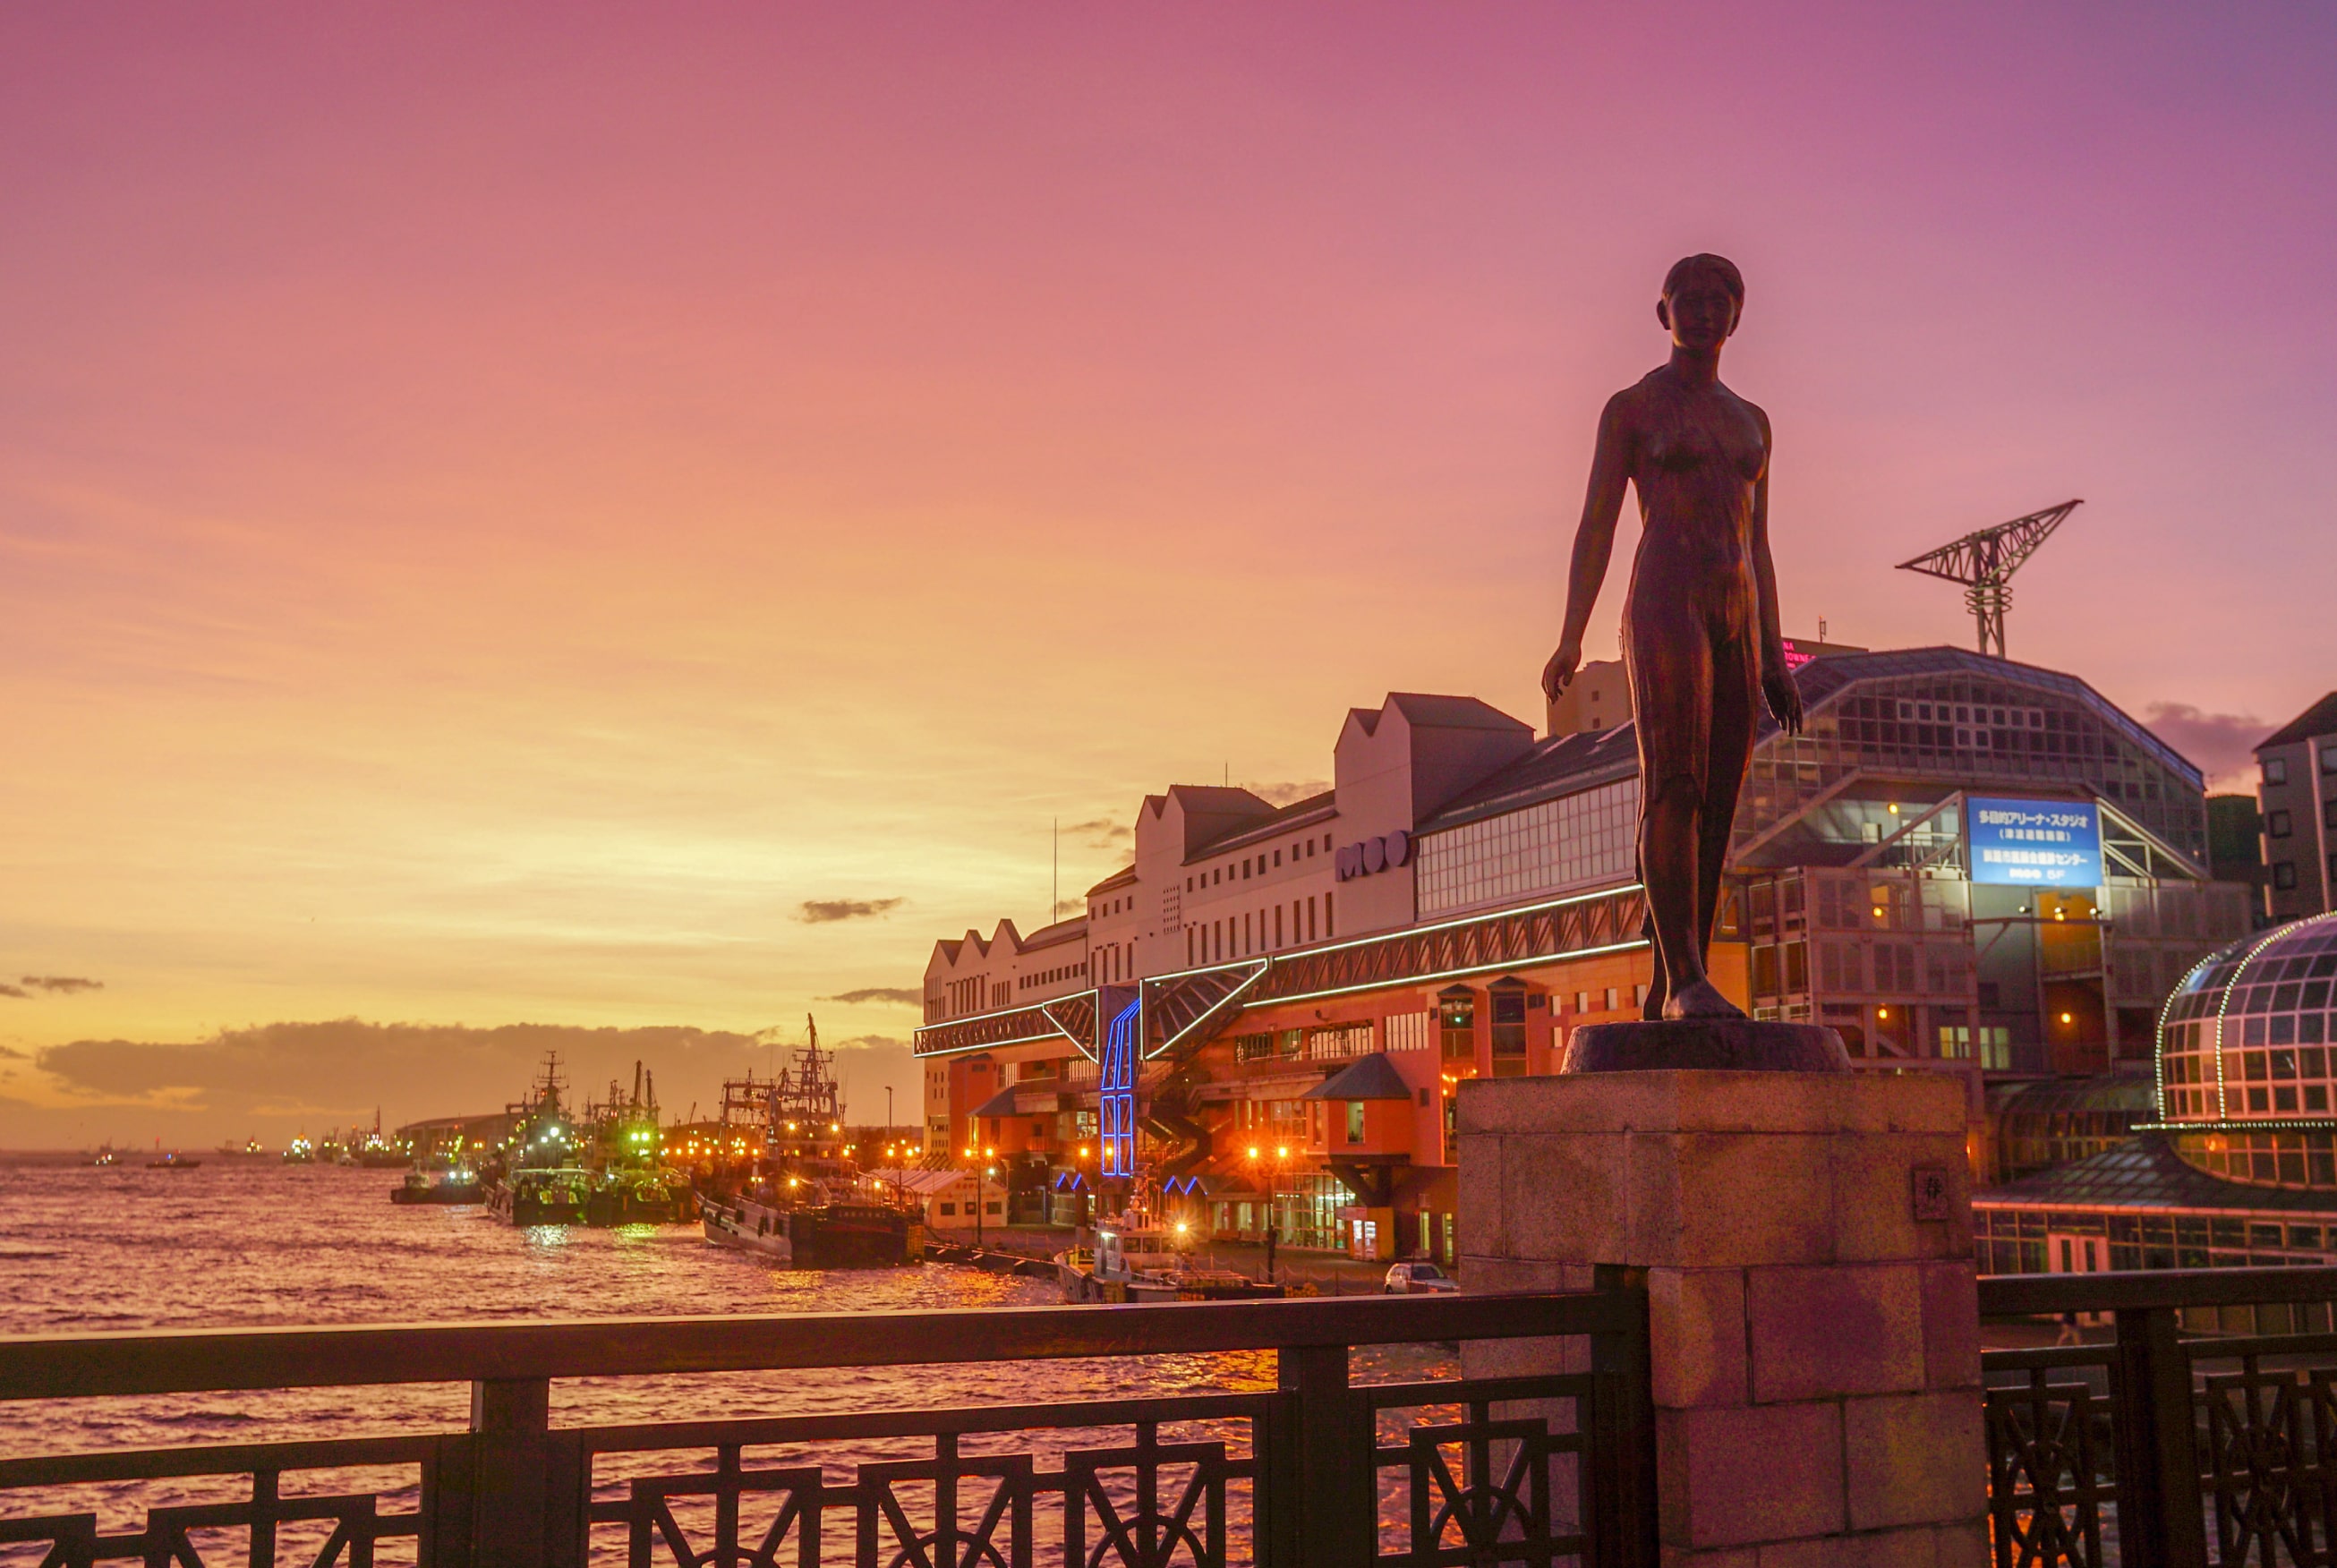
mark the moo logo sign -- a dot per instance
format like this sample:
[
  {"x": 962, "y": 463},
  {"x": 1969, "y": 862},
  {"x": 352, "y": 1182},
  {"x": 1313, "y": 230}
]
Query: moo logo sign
[{"x": 1384, "y": 853}]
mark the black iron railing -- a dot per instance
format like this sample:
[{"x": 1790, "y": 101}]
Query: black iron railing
[
  {"x": 1539, "y": 1469},
  {"x": 2203, "y": 1429}
]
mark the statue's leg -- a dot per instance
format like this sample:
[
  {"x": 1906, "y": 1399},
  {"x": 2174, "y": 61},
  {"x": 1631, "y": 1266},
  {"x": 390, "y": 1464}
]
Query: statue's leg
[
  {"x": 1723, "y": 746},
  {"x": 1736, "y": 718},
  {"x": 1668, "y": 862},
  {"x": 1668, "y": 661}
]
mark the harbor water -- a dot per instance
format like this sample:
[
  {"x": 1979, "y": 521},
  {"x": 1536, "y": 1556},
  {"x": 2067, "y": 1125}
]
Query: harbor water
[{"x": 242, "y": 1243}]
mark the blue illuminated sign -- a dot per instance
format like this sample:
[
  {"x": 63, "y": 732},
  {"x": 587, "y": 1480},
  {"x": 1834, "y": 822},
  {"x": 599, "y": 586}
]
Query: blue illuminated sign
[{"x": 2034, "y": 844}]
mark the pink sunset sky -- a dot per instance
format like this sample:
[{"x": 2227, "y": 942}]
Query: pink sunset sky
[{"x": 511, "y": 515}]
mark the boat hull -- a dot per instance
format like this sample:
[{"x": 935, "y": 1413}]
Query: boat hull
[
  {"x": 831, "y": 1236},
  {"x": 749, "y": 1227},
  {"x": 448, "y": 1193},
  {"x": 1081, "y": 1284},
  {"x": 630, "y": 1208},
  {"x": 547, "y": 1205}
]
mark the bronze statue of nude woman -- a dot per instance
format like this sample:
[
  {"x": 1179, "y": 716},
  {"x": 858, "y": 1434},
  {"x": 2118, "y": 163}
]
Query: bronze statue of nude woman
[{"x": 1701, "y": 644}]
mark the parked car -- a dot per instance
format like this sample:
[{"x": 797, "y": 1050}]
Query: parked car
[{"x": 1418, "y": 1279}]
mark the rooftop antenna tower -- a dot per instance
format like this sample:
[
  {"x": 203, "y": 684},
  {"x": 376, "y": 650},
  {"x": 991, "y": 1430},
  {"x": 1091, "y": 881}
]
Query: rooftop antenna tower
[{"x": 1984, "y": 563}]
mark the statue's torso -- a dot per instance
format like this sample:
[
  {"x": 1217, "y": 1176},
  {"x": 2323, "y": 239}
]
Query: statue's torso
[{"x": 1696, "y": 456}]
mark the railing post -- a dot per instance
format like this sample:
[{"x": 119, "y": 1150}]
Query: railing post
[
  {"x": 2158, "y": 1505},
  {"x": 511, "y": 1473},
  {"x": 1625, "y": 1433},
  {"x": 1325, "y": 1503}
]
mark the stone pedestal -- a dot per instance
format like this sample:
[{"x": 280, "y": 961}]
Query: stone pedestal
[{"x": 1814, "y": 1327}]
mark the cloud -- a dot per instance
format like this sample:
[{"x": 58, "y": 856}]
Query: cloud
[
  {"x": 1100, "y": 832},
  {"x": 11, "y": 1054},
  {"x": 1070, "y": 907},
  {"x": 62, "y": 985},
  {"x": 2222, "y": 743},
  {"x": 1287, "y": 792},
  {"x": 904, "y": 996},
  {"x": 13, "y": 991},
  {"x": 820, "y": 911}
]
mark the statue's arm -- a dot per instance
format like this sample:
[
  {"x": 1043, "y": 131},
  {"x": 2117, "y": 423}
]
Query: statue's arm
[
  {"x": 1594, "y": 540},
  {"x": 1777, "y": 685}
]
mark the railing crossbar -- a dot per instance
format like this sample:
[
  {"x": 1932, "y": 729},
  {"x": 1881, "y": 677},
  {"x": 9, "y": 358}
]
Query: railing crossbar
[
  {"x": 963, "y": 1420},
  {"x": 37, "y": 1366},
  {"x": 215, "y": 1459}
]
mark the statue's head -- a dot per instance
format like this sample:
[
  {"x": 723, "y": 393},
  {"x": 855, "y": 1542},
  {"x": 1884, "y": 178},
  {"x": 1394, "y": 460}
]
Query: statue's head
[{"x": 1703, "y": 295}]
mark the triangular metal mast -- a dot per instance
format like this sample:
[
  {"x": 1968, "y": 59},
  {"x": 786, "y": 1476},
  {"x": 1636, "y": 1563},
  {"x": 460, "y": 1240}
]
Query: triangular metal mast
[{"x": 1984, "y": 563}]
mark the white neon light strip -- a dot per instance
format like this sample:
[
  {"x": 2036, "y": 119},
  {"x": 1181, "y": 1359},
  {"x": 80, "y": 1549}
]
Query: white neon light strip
[
  {"x": 1410, "y": 981},
  {"x": 1294, "y": 954},
  {"x": 2158, "y": 1057},
  {"x": 1265, "y": 966},
  {"x": 2223, "y": 1109},
  {"x": 1038, "y": 1008}
]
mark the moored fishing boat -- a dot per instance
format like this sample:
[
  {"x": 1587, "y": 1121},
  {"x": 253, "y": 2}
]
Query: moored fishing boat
[
  {"x": 1141, "y": 1263},
  {"x": 823, "y": 1235},
  {"x": 541, "y": 1195},
  {"x": 533, "y": 1179},
  {"x": 625, "y": 1150},
  {"x": 439, "y": 1181},
  {"x": 639, "y": 1197},
  {"x": 798, "y": 1196}
]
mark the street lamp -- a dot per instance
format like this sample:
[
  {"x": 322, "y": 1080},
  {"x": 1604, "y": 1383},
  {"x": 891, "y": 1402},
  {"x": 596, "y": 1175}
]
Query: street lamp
[{"x": 1273, "y": 1212}]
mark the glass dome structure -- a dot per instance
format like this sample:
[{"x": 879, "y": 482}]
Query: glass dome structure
[{"x": 2247, "y": 1058}]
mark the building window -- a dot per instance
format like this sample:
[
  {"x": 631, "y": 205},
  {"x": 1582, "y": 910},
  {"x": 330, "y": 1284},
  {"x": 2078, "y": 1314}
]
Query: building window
[
  {"x": 2329, "y": 813},
  {"x": 1310, "y": 920},
  {"x": 2329, "y": 759},
  {"x": 1277, "y": 857},
  {"x": 1278, "y": 925},
  {"x": 1354, "y": 1121},
  {"x": 1509, "y": 1005},
  {"x": 2283, "y": 874},
  {"x": 2277, "y": 824},
  {"x": 1329, "y": 927},
  {"x": 2276, "y": 770},
  {"x": 1456, "y": 1023}
]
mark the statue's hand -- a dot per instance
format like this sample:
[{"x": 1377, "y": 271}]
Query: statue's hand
[
  {"x": 1784, "y": 696},
  {"x": 1558, "y": 673}
]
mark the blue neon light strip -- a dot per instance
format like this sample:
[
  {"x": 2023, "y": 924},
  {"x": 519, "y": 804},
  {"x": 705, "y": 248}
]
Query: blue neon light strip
[{"x": 1116, "y": 1091}]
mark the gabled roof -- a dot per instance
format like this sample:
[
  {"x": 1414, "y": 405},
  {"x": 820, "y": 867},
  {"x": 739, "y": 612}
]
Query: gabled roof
[
  {"x": 1000, "y": 1104},
  {"x": 1124, "y": 877},
  {"x": 1317, "y": 807},
  {"x": 1372, "y": 1077},
  {"x": 1564, "y": 765},
  {"x": 2320, "y": 719},
  {"x": 1429, "y": 710},
  {"x": 1060, "y": 932}
]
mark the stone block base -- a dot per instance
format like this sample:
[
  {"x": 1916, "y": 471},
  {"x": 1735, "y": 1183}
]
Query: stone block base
[{"x": 1813, "y": 1321}]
